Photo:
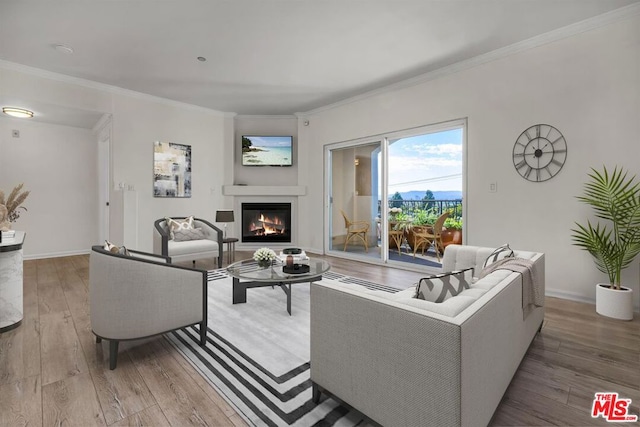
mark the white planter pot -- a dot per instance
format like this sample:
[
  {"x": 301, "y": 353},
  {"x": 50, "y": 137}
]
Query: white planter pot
[{"x": 613, "y": 303}]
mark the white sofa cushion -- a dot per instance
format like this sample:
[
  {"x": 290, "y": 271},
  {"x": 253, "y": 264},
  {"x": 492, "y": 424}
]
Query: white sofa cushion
[
  {"x": 491, "y": 280},
  {"x": 189, "y": 234},
  {"x": 474, "y": 293},
  {"x": 191, "y": 247},
  {"x": 450, "y": 307}
]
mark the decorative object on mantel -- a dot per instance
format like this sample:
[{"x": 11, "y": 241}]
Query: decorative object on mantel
[
  {"x": 171, "y": 170},
  {"x": 10, "y": 209},
  {"x": 224, "y": 216},
  {"x": 615, "y": 199},
  {"x": 264, "y": 257}
]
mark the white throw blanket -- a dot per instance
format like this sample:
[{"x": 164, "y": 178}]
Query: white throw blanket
[{"x": 530, "y": 290}]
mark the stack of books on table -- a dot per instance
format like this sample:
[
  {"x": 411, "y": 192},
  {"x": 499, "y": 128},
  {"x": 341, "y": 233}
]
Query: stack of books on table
[{"x": 300, "y": 258}]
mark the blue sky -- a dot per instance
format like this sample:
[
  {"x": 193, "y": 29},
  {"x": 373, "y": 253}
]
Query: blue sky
[
  {"x": 426, "y": 162},
  {"x": 270, "y": 141}
]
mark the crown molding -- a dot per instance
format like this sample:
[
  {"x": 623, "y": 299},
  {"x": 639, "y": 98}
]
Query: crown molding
[
  {"x": 533, "y": 42},
  {"x": 63, "y": 78},
  {"x": 266, "y": 116},
  {"x": 104, "y": 120}
]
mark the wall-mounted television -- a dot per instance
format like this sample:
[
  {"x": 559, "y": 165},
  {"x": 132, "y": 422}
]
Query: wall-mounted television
[{"x": 260, "y": 150}]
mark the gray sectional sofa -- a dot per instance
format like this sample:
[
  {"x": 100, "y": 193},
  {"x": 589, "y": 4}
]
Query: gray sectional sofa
[{"x": 408, "y": 362}]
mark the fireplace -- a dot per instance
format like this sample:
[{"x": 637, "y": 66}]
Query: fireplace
[{"x": 266, "y": 222}]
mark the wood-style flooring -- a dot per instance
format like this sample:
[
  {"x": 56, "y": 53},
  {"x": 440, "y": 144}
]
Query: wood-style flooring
[{"x": 52, "y": 372}]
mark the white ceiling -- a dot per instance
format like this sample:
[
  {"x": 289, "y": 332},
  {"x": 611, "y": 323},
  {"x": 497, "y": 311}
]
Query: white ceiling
[{"x": 268, "y": 56}]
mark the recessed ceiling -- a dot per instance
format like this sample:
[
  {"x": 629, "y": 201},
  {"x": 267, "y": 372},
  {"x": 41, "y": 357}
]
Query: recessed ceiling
[{"x": 270, "y": 57}]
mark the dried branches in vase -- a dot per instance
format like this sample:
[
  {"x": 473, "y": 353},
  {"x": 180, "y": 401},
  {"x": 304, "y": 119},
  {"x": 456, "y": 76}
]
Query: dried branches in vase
[{"x": 12, "y": 205}]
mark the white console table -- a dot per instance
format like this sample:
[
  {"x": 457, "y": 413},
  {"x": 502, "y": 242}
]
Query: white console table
[{"x": 11, "y": 281}]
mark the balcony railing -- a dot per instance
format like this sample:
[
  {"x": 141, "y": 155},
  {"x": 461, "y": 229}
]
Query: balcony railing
[{"x": 435, "y": 206}]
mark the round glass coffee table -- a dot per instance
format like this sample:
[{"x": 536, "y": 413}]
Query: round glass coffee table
[{"x": 247, "y": 274}]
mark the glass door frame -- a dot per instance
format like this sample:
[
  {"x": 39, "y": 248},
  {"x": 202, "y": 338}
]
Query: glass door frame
[{"x": 328, "y": 195}]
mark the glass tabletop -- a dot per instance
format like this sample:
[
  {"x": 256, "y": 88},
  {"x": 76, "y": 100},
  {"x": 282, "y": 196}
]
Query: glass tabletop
[{"x": 249, "y": 269}]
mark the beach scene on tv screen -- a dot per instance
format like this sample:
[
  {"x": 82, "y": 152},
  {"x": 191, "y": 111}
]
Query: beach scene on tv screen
[{"x": 266, "y": 150}]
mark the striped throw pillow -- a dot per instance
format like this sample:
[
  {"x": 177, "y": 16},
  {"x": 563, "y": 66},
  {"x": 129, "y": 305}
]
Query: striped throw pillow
[
  {"x": 499, "y": 253},
  {"x": 441, "y": 287}
]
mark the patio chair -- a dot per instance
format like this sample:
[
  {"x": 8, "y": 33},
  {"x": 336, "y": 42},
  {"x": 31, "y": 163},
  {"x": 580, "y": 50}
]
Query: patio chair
[
  {"x": 357, "y": 229},
  {"x": 430, "y": 235}
]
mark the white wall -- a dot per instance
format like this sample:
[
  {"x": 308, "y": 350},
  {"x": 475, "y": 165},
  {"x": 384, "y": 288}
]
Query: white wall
[
  {"x": 587, "y": 85},
  {"x": 265, "y": 175},
  {"x": 57, "y": 165},
  {"x": 137, "y": 121}
]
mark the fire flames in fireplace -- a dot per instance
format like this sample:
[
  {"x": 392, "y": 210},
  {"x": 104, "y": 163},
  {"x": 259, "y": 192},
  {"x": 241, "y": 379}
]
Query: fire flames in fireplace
[
  {"x": 267, "y": 225},
  {"x": 266, "y": 222}
]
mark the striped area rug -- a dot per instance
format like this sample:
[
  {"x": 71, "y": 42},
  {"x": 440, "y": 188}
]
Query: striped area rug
[{"x": 257, "y": 356}]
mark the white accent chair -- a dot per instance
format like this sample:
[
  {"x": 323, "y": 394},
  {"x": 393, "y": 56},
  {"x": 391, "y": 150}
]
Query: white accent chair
[
  {"x": 210, "y": 247},
  {"x": 141, "y": 295}
]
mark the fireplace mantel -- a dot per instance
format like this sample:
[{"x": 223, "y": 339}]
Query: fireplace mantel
[{"x": 264, "y": 190}]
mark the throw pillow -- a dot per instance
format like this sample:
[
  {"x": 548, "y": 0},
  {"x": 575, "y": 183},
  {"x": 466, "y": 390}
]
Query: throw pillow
[
  {"x": 108, "y": 246},
  {"x": 186, "y": 235},
  {"x": 499, "y": 253},
  {"x": 440, "y": 287},
  {"x": 179, "y": 224}
]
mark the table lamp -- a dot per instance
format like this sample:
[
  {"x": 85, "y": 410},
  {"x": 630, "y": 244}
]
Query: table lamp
[{"x": 224, "y": 216}]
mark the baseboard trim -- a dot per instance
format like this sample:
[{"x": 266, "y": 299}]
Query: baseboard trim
[
  {"x": 55, "y": 254},
  {"x": 572, "y": 296}
]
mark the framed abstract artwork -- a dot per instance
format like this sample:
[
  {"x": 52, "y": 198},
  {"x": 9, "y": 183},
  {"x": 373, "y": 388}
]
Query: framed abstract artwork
[{"x": 171, "y": 169}]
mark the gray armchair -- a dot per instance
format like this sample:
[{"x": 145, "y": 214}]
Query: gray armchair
[
  {"x": 210, "y": 247},
  {"x": 138, "y": 296}
]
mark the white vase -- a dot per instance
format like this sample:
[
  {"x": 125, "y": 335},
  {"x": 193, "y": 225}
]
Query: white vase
[{"x": 617, "y": 304}]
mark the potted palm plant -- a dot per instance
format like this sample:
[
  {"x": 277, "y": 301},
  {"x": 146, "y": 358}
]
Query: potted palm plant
[{"x": 615, "y": 199}]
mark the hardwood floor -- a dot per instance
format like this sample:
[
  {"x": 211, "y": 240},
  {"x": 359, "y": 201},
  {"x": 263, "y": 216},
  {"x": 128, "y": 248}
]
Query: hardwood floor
[{"x": 53, "y": 373}]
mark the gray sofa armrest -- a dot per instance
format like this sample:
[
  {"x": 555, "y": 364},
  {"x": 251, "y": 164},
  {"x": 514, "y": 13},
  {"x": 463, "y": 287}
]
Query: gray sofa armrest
[
  {"x": 388, "y": 361},
  {"x": 458, "y": 257}
]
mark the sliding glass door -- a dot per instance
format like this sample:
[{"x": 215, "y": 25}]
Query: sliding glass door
[
  {"x": 353, "y": 188},
  {"x": 386, "y": 194},
  {"x": 425, "y": 185}
]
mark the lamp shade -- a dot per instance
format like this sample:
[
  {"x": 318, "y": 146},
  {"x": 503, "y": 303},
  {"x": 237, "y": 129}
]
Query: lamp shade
[{"x": 224, "y": 216}]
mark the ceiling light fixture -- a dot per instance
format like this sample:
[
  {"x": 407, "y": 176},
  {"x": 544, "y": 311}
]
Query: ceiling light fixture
[
  {"x": 17, "y": 112},
  {"x": 63, "y": 49}
]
